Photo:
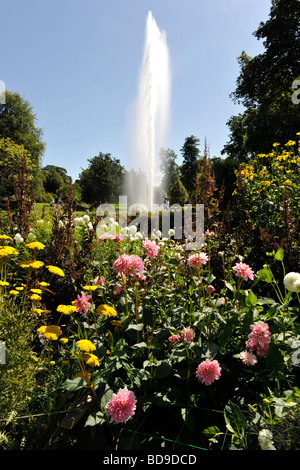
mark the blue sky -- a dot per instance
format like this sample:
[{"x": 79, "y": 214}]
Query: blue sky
[{"x": 77, "y": 63}]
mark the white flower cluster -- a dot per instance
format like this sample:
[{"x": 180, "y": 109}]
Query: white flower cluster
[
  {"x": 84, "y": 220},
  {"x": 292, "y": 282}
]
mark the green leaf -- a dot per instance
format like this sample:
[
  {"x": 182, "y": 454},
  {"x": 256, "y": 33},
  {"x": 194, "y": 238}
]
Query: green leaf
[
  {"x": 211, "y": 433},
  {"x": 234, "y": 419},
  {"x": 274, "y": 357},
  {"x": 279, "y": 254},
  {"x": 265, "y": 275},
  {"x": 162, "y": 370},
  {"x": 140, "y": 345},
  {"x": 95, "y": 418},
  {"x": 251, "y": 299},
  {"x": 229, "y": 286},
  {"x": 73, "y": 384}
]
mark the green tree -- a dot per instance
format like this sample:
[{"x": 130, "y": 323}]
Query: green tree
[
  {"x": 190, "y": 164},
  {"x": 54, "y": 178},
  {"x": 236, "y": 148},
  {"x": 264, "y": 85},
  {"x": 11, "y": 158},
  {"x": 18, "y": 123},
  {"x": 177, "y": 192},
  {"x": 168, "y": 167},
  {"x": 102, "y": 181}
]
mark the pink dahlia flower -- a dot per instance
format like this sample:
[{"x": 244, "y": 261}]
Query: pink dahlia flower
[
  {"x": 136, "y": 264},
  {"x": 118, "y": 290},
  {"x": 259, "y": 338},
  {"x": 127, "y": 264},
  {"x": 208, "y": 371},
  {"x": 104, "y": 236},
  {"x": 210, "y": 289},
  {"x": 187, "y": 335},
  {"x": 242, "y": 269},
  {"x": 116, "y": 238},
  {"x": 248, "y": 358},
  {"x": 121, "y": 406},
  {"x": 174, "y": 339},
  {"x": 82, "y": 303},
  {"x": 197, "y": 260},
  {"x": 151, "y": 247}
]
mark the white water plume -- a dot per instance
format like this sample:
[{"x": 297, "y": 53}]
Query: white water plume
[{"x": 151, "y": 116}]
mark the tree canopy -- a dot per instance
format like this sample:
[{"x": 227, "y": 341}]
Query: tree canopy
[
  {"x": 264, "y": 85},
  {"x": 102, "y": 181}
]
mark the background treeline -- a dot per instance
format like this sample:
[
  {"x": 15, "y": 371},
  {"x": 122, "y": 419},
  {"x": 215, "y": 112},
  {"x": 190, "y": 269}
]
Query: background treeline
[{"x": 265, "y": 87}]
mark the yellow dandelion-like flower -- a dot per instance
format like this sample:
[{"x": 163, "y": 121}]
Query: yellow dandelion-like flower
[
  {"x": 276, "y": 144},
  {"x": 290, "y": 143},
  {"x": 6, "y": 237},
  {"x": 13, "y": 292},
  {"x": 39, "y": 311},
  {"x": 86, "y": 345},
  {"x": 35, "y": 246},
  {"x": 91, "y": 359},
  {"x": 55, "y": 270},
  {"x": 31, "y": 264},
  {"x": 64, "y": 340},
  {"x": 19, "y": 288},
  {"x": 90, "y": 288},
  {"x": 106, "y": 310},
  {"x": 36, "y": 291},
  {"x": 44, "y": 284},
  {"x": 6, "y": 251},
  {"x": 50, "y": 332},
  {"x": 287, "y": 183},
  {"x": 4, "y": 283},
  {"x": 66, "y": 309},
  {"x": 35, "y": 297},
  {"x": 265, "y": 183}
]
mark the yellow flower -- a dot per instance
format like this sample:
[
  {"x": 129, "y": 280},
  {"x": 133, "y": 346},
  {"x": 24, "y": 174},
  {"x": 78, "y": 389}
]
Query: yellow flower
[
  {"x": 35, "y": 246},
  {"x": 90, "y": 288},
  {"x": 38, "y": 310},
  {"x": 106, "y": 310},
  {"x": 50, "y": 332},
  {"x": 276, "y": 144},
  {"x": 44, "y": 284},
  {"x": 66, "y": 309},
  {"x": 31, "y": 264},
  {"x": 35, "y": 297},
  {"x": 52, "y": 363},
  {"x": 7, "y": 251},
  {"x": 56, "y": 270},
  {"x": 20, "y": 288},
  {"x": 287, "y": 182},
  {"x": 290, "y": 143},
  {"x": 64, "y": 340},
  {"x": 91, "y": 359},
  {"x": 36, "y": 291},
  {"x": 6, "y": 237},
  {"x": 13, "y": 292},
  {"x": 86, "y": 345},
  {"x": 4, "y": 283}
]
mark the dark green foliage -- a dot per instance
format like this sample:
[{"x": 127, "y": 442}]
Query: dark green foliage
[
  {"x": 102, "y": 180},
  {"x": 264, "y": 85}
]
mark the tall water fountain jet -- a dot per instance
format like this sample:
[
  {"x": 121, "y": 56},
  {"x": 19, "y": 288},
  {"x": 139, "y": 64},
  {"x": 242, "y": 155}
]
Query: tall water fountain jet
[{"x": 151, "y": 116}]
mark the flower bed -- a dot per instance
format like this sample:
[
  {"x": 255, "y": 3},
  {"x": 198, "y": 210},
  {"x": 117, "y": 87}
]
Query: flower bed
[{"x": 154, "y": 346}]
